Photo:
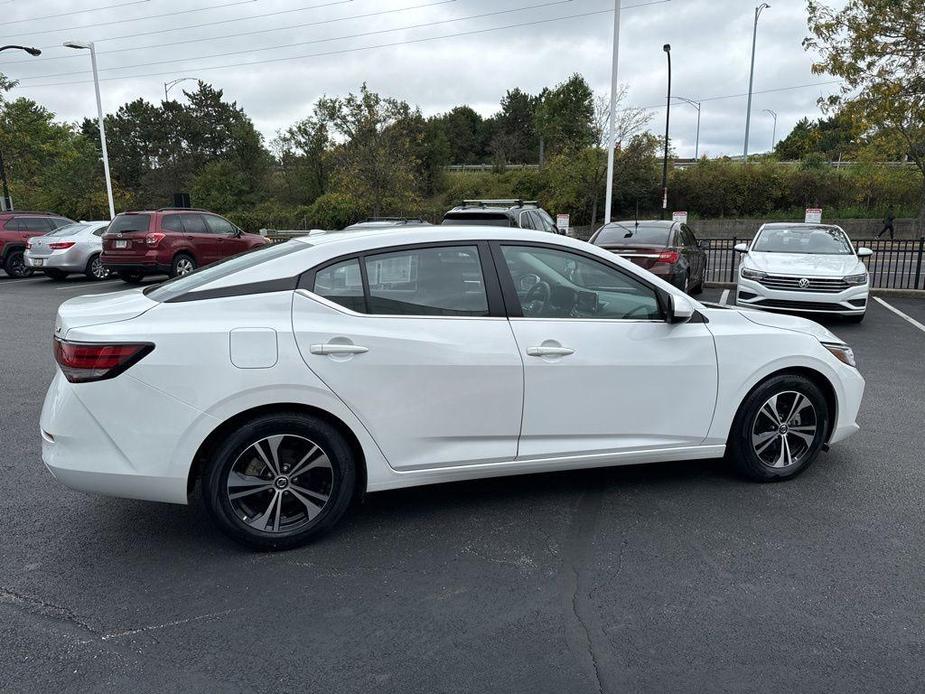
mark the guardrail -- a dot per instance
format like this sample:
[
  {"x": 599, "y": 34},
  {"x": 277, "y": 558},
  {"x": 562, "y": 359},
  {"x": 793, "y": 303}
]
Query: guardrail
[{"x": 895, "y": 264}]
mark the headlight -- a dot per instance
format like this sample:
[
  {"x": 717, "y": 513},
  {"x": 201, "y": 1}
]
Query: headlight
[
  {"x": 856, "y": 279},
  {"x": 841, "y": 352},
  {"x": 753, "y": 274}
]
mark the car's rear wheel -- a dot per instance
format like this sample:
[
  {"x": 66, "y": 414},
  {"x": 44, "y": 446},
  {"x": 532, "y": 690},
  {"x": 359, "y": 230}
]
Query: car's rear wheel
[
  {"x": 15, "y": 265},
  {"x": 131, "y": 276},
  {"x": 280, "y": 481},
  {"x": 779, "y": 429},
  {"x": 95, "y": 268},
  {"x": 54, "y": 274},
  {"x": 183, "y": 264}
]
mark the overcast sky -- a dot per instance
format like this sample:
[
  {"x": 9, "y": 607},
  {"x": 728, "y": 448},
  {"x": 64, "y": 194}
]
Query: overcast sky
[{"x": 430, "y": 62}]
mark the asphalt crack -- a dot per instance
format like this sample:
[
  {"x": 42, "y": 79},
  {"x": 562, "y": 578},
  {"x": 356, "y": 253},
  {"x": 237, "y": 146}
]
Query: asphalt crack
[{"x": 43, "y": 608}]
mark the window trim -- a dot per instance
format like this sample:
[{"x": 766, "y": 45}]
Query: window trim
[
  {"x": 512, "y": 300},
  {"x": 490, "y": 278}
]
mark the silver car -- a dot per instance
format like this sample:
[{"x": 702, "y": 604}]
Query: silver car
[{"x": 69, "y": 249}]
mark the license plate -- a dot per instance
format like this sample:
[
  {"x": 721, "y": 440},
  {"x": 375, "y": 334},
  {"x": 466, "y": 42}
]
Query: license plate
[
  {"x": 120, "y": 244},
  {"x": 38, "y": 262}
]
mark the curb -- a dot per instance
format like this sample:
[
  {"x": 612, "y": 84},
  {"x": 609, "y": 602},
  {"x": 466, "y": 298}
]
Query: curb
[{"x": 909, "y": 293}]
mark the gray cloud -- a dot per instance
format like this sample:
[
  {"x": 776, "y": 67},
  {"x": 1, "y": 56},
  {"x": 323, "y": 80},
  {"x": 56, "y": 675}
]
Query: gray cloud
[{"x": 711, "y": 44}]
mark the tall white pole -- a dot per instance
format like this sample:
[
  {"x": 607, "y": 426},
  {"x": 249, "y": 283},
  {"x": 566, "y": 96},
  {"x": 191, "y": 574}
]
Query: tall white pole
[
  {"x": 608, "y": 205},
  {"x": 751, "y": 78},
  {"x": 99, "y": 111},
  {"x": 697, "y": 141}
]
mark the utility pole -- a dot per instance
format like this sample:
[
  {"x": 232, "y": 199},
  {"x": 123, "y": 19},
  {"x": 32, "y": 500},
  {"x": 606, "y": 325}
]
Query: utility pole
[
  {"x": 7, "y": 203},
  {"x": 667, "y": 49},
  {"x": 773, "y": 128},
  {"x": 611, "y": 127},
  {"x": 751, "y": 77}
]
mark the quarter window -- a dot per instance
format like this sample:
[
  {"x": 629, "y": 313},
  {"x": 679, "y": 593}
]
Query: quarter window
[
  {"x": 427, "y": 282},
  {"x": 552, "y": 283},
  {"x": 342, "y": 284}
]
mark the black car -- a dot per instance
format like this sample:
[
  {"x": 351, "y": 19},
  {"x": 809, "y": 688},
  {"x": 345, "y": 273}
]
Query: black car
[
  {"x": 523, "y": 214},
  {"x": 666, "y": 249}
]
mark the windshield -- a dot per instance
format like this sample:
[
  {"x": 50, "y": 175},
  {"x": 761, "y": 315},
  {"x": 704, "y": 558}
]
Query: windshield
[
  {"x": 627, "y": 234},
  {"x": 187, "y": 283},
  {"x": 818, "y": 240},
  {"x": 68, "y": 230}
]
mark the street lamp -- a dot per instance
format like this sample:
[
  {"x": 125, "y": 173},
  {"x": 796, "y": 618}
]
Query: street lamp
[
  {"x": 774, "y": 128},
  {"x": 667, "y": 49},
  {"x": 751, "y": 77},
  {"x": 99, "y": 110},
  {"x": 697, "y": 105},
  {"x": 611, "y": 127},
  {"x": 173, "y": 83},
  {"x": 7, "y": 202}
]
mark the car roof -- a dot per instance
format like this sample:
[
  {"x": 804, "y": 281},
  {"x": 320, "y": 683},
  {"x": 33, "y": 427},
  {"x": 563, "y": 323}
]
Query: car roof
[
  {"x": 799, "y": 225},
  {"x": 645, "y": 222}
]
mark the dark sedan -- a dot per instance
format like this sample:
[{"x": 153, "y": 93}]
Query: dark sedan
[{"x": 666, "y": 249}]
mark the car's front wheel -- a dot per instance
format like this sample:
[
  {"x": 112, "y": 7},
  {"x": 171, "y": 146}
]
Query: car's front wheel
[
  {"x": 280, "y": 481},
  {"x": 779, "y": 428}
]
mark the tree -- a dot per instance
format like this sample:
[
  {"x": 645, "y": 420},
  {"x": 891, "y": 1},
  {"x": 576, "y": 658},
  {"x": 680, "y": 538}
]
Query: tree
[
  {"x": 514, "y": 138},
  {"x": 302, "y": 152},
  {"x": 564, "y": 116},
  {"x": 878, "y": 48},
  {"x": 465, "y": 130}
]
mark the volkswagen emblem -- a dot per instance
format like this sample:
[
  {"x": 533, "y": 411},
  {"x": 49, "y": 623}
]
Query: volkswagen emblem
[{"x": 804, "y": 283}]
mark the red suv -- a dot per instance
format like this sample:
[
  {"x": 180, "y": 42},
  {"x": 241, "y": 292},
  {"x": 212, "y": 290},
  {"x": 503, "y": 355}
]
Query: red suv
[
  {"x": 173, "y": 241},
  {"x": 16, "y": 228}
]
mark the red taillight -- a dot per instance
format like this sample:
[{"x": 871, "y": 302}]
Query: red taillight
[
  {"x": 61, "y": 245},
  {"x": 154, "y": 238},
  {"x": 83, "y": 361},
  {"x": 670, "y": 257}
]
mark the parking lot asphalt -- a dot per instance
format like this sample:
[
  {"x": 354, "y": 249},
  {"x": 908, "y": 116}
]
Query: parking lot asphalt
[{"x": 671, "y": 577}]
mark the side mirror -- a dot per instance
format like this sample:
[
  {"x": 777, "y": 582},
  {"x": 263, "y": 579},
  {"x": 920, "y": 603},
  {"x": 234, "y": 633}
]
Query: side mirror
[
  {"x": 680, "y": 310},
  {"x": 704, "y": 244},
  {"x": 740, "y": 248},
  {"x": 864, "y": 252}
]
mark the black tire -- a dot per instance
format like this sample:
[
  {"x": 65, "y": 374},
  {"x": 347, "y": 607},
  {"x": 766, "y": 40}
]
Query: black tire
[
  {"x": 183, "y": 264},
  {"x": 56, "y": 275},
  {"x": 95, "y": 269},
  {"x": 753, "y": 454},
  {"x": 699, "y": 288},
  {"x": 337, "y": 479},
  {"x": 15, "y": 264},
  {"x": 856, "y": 318},
  {"x": 131, "y": 276}
]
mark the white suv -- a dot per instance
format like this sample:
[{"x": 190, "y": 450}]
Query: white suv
[{"x": 810, "y": 268}]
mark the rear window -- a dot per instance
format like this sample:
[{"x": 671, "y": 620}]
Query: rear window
[
  {"x": 201, "y": 277},
  {"x": 631, "y": 235},
  {"x": 68, "y": 230},
  {"x": 129, "y": 222},
  {"x": 492, "y": 219}
]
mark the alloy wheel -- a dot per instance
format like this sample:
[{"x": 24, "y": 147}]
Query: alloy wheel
[
  {"x": 784, "y": 429},
  {"x": 98, "y": 270},
  {"x": 280, "y": 483},
  {"x": 185, "y": 266}
]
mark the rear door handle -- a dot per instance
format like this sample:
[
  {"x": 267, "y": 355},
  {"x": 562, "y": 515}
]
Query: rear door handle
[
  {"x": 549, "y": 351},
  {"x": 337, "y": 349}
]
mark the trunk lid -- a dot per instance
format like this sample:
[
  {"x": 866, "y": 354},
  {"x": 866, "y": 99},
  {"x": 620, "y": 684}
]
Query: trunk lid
[
  {"x": 643, "y": 256},
  {"x": 83, "y": 311}
]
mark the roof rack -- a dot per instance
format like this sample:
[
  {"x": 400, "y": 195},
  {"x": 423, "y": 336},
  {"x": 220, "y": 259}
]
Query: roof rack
[
  {"x": 54, "y": 214},
  {"x": 403, "y": 220},
  {"x": 182, "y": 209},
  {"x": 500, "y": 202}
]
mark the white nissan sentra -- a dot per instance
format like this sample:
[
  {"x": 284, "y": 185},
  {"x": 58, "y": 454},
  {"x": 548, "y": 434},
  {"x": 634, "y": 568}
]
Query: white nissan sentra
[
  {"x": 292, "y": 379},
  {"x": 809, "y": 268}
]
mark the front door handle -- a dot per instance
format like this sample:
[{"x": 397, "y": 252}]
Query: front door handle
[
  {"x": 549, "y": 351},
  {"x": 337, "y": 349}
]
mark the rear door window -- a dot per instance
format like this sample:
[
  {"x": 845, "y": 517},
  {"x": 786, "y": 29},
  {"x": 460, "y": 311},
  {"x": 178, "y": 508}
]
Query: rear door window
[
  {"x": 172, "y": 222},
  {"x": 193, "y": 224},
  {"x": 41, "y": 224}
]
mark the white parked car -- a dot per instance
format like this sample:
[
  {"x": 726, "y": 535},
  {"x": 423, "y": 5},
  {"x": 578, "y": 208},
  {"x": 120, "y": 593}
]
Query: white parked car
[
  {"x": 809, "y": 268},
  {"x": 67, "y": 250},
  {"x": 292, "y": 379}
]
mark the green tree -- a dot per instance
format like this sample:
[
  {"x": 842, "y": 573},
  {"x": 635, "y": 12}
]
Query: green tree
[
  {"x": 877, "y": 47},
  {"x": 466, "y": 133},
  {"x": 564, "y": 117},
  {"x": 514, "y": 138}
]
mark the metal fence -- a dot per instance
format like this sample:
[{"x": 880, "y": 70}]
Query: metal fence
[{"x": 895, "y": 264}]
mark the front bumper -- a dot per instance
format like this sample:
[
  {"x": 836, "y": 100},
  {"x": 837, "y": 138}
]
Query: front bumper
[
  {"x": 849, "y": 396},
  {"x": 72, "y": 259},
  {"x": 849, "y": 302}
]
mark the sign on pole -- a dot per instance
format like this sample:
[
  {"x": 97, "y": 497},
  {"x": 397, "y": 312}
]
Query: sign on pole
[
  {"x": 562, "y": 221},
  {"x": 813, "y": 215},
  {"x": 679, "y": 216}
]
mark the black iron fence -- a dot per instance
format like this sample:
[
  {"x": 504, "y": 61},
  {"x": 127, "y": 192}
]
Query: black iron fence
[{"x": 895, "y": 264}]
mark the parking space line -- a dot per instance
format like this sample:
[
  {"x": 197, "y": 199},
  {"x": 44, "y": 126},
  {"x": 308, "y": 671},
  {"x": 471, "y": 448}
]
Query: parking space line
[
  {"x": 900, "y": 313},
  {"x": 723, "y": 297}
]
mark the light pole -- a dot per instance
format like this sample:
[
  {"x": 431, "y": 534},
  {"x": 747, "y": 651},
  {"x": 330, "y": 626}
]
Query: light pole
[
  {"x": 99, "y": 110},
  {"x": 751, "y": 77},
  {"x": 697, "y": 105},
  {"x": 173, "y": 83},
  {"x": 611, "y": 127},
  {"x": 667, "y": 49},
  {"x": 773, "y": 128},
  {"x": 7, "y": 202}
]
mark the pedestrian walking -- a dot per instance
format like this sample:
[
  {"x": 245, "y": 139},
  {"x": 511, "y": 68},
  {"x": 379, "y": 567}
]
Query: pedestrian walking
[{"x": 888, "y": 224}]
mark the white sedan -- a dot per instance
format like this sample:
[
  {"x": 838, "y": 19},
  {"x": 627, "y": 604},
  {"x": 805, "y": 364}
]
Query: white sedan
[
  {"x": 292, "y": 379},
  {"x": 810, "y": 268}
]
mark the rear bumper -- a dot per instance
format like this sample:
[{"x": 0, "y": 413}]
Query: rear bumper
[
  {"x": 69, "y": 260},
  {"x": 147, "y": 268},
  {"x": 150, "y": 261},
  {"x": 849, "y": 302}
]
